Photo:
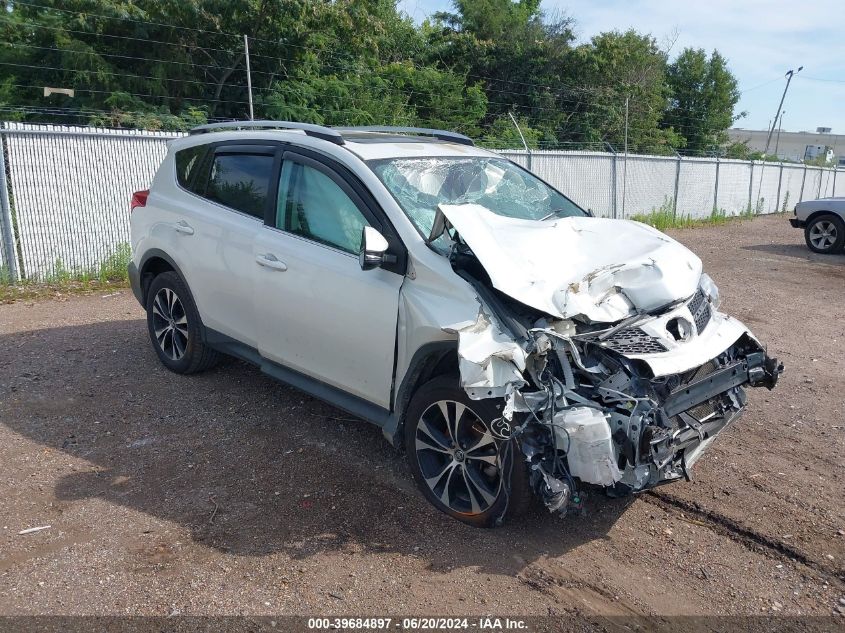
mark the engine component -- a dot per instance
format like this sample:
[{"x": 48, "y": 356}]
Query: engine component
[
  {"x": 584, "y": 434},
  {"x": 554, "y": 493}
]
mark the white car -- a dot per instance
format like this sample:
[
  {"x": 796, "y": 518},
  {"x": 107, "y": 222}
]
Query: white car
[
  {"x": 515, "y": 346},
  {"x": 823, "y": 222}
]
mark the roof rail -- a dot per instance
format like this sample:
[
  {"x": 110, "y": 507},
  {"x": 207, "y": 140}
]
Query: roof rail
[
  {"x": 317, "y": 131},
  {"x": 443, "y": 135}
]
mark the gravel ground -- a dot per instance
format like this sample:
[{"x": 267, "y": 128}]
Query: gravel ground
[{"x": 228, "y": 493}]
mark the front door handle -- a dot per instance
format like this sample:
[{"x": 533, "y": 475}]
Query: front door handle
[
  {"x": 270, "y": 261},
  {"x": 182, "y": 227}
]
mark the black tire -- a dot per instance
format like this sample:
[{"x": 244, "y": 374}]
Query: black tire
[
  {"x": 825, "y": 234},
  {"x": 175, "y": 328},
  {"x": 425, "y": 420}
]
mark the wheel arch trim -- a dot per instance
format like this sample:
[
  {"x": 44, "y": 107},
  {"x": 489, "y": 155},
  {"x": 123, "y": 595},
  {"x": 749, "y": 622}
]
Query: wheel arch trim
[
  {"x": 425, "y": 361},
  {"x": 816, "y": 214},
  {"x": 144, "y": 280}
]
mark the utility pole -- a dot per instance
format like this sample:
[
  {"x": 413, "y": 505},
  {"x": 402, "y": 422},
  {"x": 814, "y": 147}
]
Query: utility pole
[
  {"x": 625, "y": 167},
  {"x": 777, "y": 138},
  {"x": 789, "y": 75},
  {"x": 248, "y": 77}
]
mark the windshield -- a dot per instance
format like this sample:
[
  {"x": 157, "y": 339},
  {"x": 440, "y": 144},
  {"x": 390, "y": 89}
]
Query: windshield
[{"x": 420, "y": 184}]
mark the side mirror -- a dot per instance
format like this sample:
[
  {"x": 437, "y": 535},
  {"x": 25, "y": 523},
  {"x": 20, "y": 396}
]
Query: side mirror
[{"x": 373, "y": 251}]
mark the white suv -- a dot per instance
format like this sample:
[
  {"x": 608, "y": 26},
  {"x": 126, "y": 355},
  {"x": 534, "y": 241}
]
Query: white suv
[{"x": 514, "y": 345}]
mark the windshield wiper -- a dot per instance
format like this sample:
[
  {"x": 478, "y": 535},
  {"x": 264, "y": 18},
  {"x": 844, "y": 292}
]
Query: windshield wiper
[{"x": 552, "y": 214}]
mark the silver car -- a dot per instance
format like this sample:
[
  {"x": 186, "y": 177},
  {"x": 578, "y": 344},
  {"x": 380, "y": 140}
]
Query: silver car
[
  {"x": 516, "y": 347},
  {"x": 823, "y": 222}
]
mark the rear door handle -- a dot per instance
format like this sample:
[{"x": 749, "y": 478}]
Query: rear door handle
[
  {"x": 270, "y": 261},
  {"x": 182, "y": 227}
]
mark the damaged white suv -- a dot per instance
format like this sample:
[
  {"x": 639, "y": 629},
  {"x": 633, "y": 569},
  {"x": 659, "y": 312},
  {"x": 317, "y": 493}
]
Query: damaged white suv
[{"x": 513, "y": 344}]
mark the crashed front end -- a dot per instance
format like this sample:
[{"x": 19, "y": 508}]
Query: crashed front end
[{"x": 624, "y": 398}]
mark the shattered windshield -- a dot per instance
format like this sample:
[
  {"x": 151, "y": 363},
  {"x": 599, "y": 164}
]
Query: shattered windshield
[{"x": 420, "y": 184}]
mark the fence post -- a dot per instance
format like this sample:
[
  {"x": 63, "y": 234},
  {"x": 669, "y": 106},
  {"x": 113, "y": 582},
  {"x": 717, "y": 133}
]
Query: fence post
[
  {"x": 677, "y": 187},
  {"x": 819, "y": 193},
  {"x": 751, "y": 188},
  {"x": 803, "y": 180},
  {"x": 6, "y": 231},
  {"x": 613, "y": 183},
  {"x": 780, "y": 179},
  {"x": 835, "y": 169},
  {"x": 716, "y": 190}
]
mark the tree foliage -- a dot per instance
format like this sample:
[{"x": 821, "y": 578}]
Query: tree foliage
[
  {"x": 171, "y": 64},
  {"x": 703, "y": 96}
]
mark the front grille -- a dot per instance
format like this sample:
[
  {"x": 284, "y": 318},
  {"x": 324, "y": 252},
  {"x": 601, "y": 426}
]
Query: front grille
[
  {"x": 634, "y": 341},
  {"x": 700, "y": 372},
  {"x": 700, "y": 309},
  {"x": 705, "y": 409}
]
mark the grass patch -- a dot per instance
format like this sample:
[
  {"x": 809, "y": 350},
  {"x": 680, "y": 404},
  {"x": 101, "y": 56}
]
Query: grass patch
[
  {"x": 664, "y": 217},
  {"x": 34, "y": 290},
  {"x": 108, "y": 275},
  {"x": 113, "y": 268}
]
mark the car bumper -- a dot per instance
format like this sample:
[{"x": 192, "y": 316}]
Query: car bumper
[
  {"x": 135, "y": 282},
  {"x": 797, "y": 224}
]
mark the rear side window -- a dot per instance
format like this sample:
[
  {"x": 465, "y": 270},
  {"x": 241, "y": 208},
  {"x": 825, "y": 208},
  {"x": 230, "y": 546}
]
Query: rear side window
[
  {"x": 187, "y": 166},
  {"x": 241, "y": 182}
]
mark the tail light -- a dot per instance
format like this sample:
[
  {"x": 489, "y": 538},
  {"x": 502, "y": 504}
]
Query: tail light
[{"x": 139, "y": 199}]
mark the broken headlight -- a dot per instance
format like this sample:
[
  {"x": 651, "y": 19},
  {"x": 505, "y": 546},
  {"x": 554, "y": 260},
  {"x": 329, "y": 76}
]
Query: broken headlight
[{"x": 709, "y": 288}]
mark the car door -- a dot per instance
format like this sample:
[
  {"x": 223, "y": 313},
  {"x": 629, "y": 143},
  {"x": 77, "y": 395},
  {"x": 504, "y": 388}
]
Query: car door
[
  {"x": 318, "y": 313},
  {"x": 233, "y": 190}
]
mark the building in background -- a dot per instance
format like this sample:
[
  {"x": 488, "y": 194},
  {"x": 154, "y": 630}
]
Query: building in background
[{"x": 794, "y": 146}]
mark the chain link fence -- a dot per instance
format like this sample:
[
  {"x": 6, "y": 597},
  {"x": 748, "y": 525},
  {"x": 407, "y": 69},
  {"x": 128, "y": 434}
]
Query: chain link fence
[
  {"x": 615, "y": 186},
  {"x": 68, "y": 191},
  {"x": 65, "y": 191}
]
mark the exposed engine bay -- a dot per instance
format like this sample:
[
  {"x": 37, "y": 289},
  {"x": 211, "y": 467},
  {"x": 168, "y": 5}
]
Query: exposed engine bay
[{"x": 618, "y": 374}]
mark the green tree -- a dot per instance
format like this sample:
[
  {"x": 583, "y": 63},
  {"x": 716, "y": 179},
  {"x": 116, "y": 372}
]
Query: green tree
[
  {"x": 614, "y": 67},
  {"x": 171, "y": 64},
  {"x": 704, "y": 94},
  {"x": 516, "y": 53}
]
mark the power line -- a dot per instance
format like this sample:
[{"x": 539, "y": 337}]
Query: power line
[
  {"x": 569, "y": 88},
  {"x": 765, "y": 83},
  {"x": 556, "y": 95},
  {"x": 112, "y": 55},
  {"x": 836, "y": 81},
  {"x": 533, "y": 110},
  {"x": 605, "y": 92},
  {"x": 136, "y": 94}
]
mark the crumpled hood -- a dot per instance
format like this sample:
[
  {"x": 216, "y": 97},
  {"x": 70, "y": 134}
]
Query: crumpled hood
[{"x": 595, "y": 269}]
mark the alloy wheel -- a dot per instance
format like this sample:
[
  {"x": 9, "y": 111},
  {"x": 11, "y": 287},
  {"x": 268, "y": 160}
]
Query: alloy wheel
[
  {"x": 170, "y": 323},
  {"x": 823, "y": 234},
  {"x": 458, "y": 457}
]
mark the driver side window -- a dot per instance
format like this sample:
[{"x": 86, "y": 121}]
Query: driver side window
[{"x": 314, "y": 206}]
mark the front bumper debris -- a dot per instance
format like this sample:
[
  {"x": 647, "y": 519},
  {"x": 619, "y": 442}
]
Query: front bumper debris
[{"x": 624, "y": 408}]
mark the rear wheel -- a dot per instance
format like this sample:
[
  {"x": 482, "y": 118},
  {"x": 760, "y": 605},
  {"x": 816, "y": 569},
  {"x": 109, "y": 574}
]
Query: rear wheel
[
  {"x": 460, "y": 466},
  {"x": 825, "y": 234},
  {"x": 174, "y": 326}
]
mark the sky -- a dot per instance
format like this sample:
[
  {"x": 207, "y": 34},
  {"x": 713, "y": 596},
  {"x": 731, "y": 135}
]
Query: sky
[{"x": 762, "y": 39}]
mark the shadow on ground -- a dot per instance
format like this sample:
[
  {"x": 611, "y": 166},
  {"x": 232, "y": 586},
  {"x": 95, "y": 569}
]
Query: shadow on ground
[
  {"x": 249, "y": 466},
  {"x": 799, "y": 251}
]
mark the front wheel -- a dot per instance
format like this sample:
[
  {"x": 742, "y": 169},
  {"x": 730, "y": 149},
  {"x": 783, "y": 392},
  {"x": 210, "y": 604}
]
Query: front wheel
[
  {"x": 825, "y": 234},
  {"x": 460, "y": 466},
  {"x": 174, "y": 326}
]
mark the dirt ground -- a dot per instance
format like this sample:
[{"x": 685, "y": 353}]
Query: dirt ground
[{"x": 228, "y": 493}]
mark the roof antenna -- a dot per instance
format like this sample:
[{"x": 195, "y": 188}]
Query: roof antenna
[{"x": 516, "y": 125}]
